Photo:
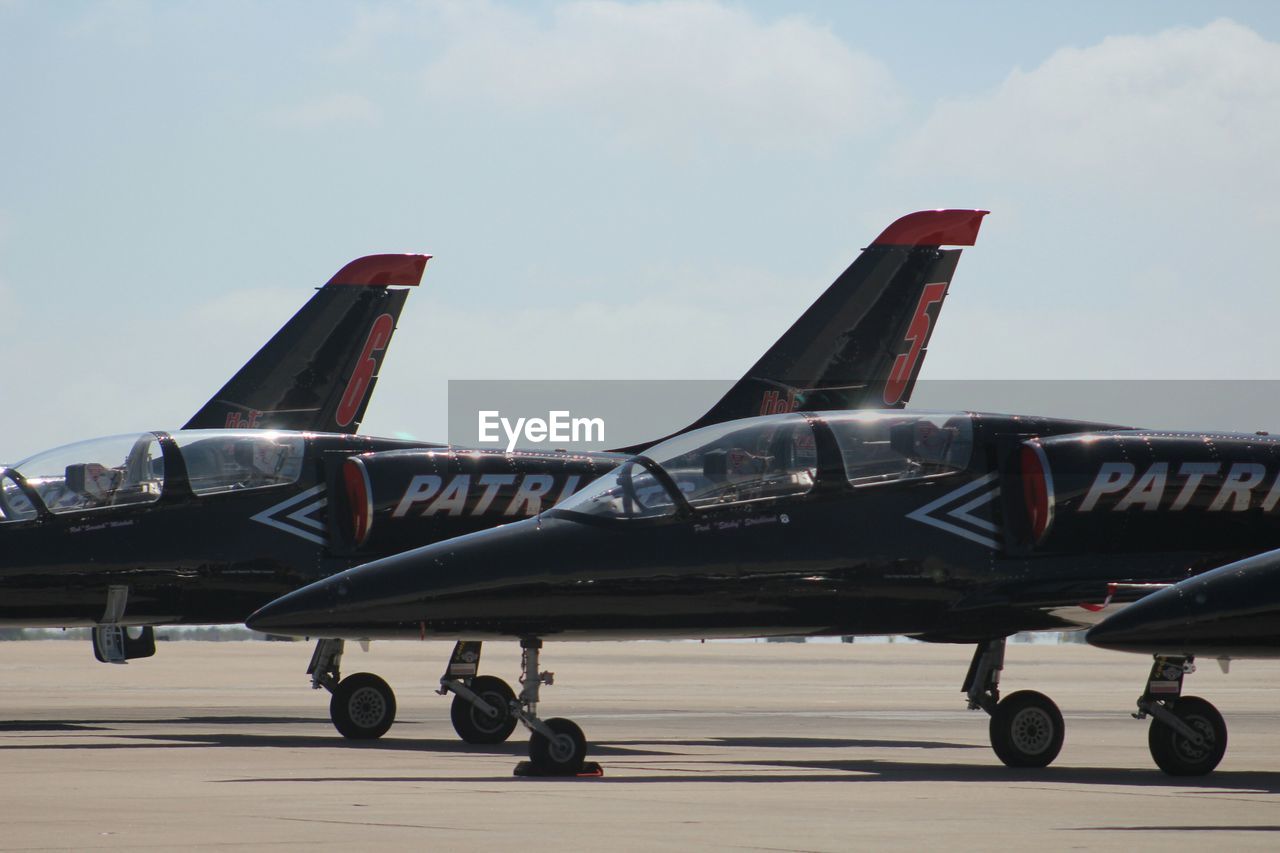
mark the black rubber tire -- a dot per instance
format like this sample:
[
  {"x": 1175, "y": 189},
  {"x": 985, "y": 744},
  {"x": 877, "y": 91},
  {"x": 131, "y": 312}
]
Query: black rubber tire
[
  {"x": 476, "y": 727},
  {"x": 565, "y": 754},
  {"x": 363, "y": 707},
  {"x": 1176, "y": 755},
  {"x": 1027, "y": 730}
]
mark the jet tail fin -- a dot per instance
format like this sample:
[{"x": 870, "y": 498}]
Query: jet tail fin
[
  {"x": 862, "y": 343},
  {"x": 318, "y": 372}
]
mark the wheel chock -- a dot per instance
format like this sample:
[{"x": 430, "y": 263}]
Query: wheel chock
[{"x": 590, "y": 770}]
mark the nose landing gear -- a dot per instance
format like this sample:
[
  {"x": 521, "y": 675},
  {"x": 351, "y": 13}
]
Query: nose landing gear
[
  {"x": 1188, "y": 737},
  {"x": 362, "y": 706},
  {"x": 557, "y": 746},
  {"x": 1026, "y": 728},
  {"x": 485, "y": 710}
]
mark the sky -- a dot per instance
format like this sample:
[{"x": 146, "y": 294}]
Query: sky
[{"x": 620, "y": 190}]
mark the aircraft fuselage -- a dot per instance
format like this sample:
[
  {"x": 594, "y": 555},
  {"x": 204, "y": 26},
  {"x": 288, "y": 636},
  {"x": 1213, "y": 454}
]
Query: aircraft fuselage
[{"x": 870, "y": 539}]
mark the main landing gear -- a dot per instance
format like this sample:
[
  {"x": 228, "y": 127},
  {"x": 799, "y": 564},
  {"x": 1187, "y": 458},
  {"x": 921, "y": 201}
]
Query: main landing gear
[
  {"x": 481, "y": 710},
  {"x": 485, "y": 710},
  {"x": 1188, "y": 737},
  {"x": 362, "y": 706},
  {"x": 1026, "y": 727}
]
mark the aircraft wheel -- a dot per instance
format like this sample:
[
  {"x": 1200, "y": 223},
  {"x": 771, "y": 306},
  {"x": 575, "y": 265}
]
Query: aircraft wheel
[
  {"x": 1175, "y": 754},
  {"x": 562, "y": 754},
  {"x": 475, "y": 726},
  {"x": 363, "y": 706},
  {"x": 1027, "y": 730}
]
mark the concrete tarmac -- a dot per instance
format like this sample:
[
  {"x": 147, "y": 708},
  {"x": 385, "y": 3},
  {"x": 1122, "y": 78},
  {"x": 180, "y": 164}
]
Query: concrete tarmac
[{"x": 719, "y": 746}]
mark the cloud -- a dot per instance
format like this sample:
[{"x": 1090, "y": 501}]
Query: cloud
[
  {"x": 1185, "y": 108},
  {"x": 677, "y": 73},
  {"x": 340, "y": 108},
  {"x": 1132, "y": 186}
]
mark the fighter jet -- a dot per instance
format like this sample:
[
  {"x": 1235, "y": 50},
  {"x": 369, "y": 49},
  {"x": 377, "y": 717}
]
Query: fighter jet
[
  {"x": 954, "y": 527},
  {"x": 1228, "y": 613},
  {"x": 205, "y": 526},
  {"x": 72, "y": 517}
]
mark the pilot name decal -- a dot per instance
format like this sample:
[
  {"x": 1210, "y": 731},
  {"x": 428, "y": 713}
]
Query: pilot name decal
[
  {"x": 484, "y": 494},
  {"x": 105, "y": 525},
  {"x": 740, "y": 523},
  {"x": 1175, "y": 486}
]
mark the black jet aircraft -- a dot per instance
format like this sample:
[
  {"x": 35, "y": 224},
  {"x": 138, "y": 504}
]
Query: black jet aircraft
[
  {"x": 72, "y": 517},
  {"x": 948, "y": 527},
  {"x": 1230, "y": 612},
  {"x": 1227, "y": 613},
  {"x": 199, "y": 527}
]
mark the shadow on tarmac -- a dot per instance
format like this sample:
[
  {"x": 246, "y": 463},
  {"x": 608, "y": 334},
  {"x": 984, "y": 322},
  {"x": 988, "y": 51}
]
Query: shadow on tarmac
[
  {"x": 815, "y": 743},
  {"x": 716, "y": 768},
  {"x": 871, "y": 771},
  {"x": 94, "y": 725},
  {"x": 656, "y": 747},
  {"x": 1179, "y": 828}
]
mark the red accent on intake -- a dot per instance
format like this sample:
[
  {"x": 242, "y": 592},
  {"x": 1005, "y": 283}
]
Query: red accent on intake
[
  {"x": 356, "y": 483},
  {"x": 934, "y": 228},
  {"x": 1098, "y": 608},
  {"x": 1035, "y": 492},
  {"x": 382, "y": 271}
]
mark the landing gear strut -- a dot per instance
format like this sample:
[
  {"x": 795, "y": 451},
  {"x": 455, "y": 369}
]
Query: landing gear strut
[
  {"x": 1026, "y": 728},
  {"x": 481, "y": 710},
  {"x": 1188, "y": 737},
  {"x": 557, "y": 746},
  {"x": 362, "y": 706}
]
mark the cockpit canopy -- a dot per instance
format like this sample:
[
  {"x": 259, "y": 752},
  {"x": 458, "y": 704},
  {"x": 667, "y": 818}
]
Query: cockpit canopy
[
  {"x": 224, "y": 460},
  {"x": 121, "y": 470},
  {"x": 766, "y": 458},
  {"x": 111, "y": 471}
]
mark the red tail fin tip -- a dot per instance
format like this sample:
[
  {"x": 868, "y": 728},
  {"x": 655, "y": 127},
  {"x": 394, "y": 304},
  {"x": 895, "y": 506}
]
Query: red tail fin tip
[
  {"x": 382, "y": 271},
  {"x": 934, "y": 228}
]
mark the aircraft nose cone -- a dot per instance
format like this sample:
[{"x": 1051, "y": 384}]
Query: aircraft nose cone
[
  {"x": 1231, "y": 611},
  {"x": 1151, "y": 625},
  {"x": 301, "y": 612},
  {"x": 408, "y": 593}
]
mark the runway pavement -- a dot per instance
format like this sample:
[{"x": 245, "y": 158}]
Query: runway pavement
[{"x": 705, "y": 746}]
